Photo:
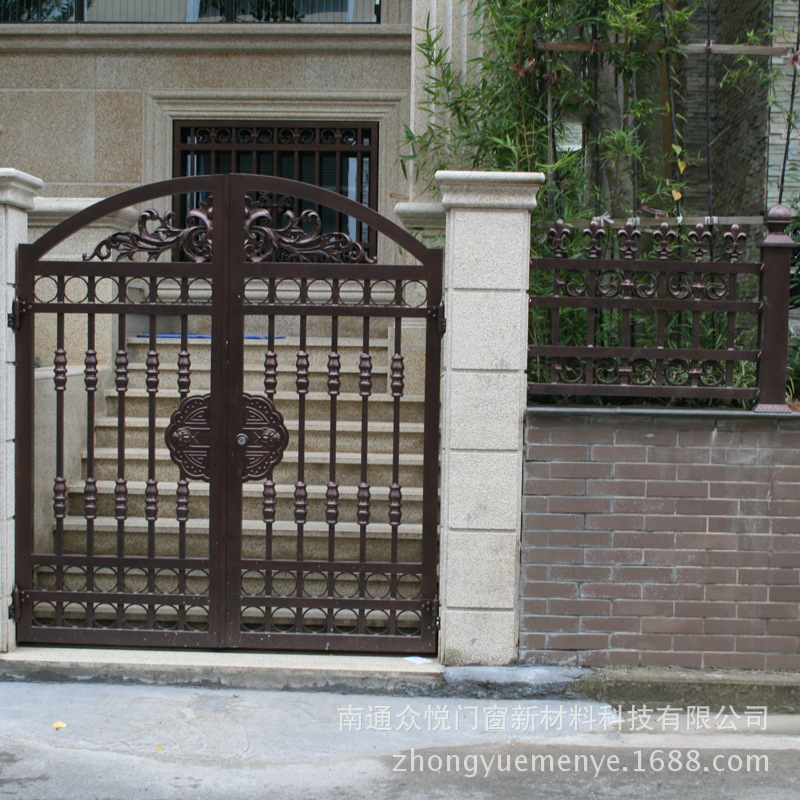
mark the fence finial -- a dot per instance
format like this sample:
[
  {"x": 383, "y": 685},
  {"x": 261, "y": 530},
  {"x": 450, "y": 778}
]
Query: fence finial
[{"x": 776, "y": 220}]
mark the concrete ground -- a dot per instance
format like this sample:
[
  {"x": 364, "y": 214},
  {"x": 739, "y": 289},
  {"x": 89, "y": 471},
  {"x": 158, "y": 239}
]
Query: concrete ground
[{"x": 99, "y": 741}]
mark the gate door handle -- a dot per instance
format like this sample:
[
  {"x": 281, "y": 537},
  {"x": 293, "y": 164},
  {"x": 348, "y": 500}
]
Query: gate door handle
[{"x": 241, "y": 439}]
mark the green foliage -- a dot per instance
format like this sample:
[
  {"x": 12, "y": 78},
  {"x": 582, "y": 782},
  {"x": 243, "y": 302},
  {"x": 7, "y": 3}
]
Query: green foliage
[
  {"x": 793, "y": 370},
  {"x": 514, "y": 103}
]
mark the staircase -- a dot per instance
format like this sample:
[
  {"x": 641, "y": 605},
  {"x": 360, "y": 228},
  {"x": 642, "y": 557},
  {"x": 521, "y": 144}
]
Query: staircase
[{"x": 317, "y": 458}]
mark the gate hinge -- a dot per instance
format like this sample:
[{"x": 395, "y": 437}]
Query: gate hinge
[
  {"x": 15, "y": 609},
  {"x": 18, "y": 308},
  {"x": 432, "y": 607},
  {"x": 437, "y": 313}
]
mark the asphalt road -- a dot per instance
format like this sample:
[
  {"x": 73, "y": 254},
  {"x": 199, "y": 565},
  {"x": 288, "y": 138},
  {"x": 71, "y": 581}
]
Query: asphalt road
[{"x": 122, "y": 742}]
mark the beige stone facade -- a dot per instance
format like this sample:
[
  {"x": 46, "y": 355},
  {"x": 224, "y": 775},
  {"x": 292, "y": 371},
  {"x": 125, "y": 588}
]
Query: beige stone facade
[{"x": 89, "y": 108}]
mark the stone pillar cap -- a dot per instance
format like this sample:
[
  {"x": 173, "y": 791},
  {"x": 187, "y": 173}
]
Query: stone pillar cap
[
  {"x": 502, "y": 190},
  {"x": 18, "y": 188}
]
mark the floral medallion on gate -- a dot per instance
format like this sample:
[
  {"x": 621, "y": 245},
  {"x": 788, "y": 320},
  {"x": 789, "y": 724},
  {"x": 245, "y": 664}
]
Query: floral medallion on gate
[{"x": 263, "y": 436}]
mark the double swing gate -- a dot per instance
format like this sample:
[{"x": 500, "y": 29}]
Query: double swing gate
[{"x": 228, "y": 425}]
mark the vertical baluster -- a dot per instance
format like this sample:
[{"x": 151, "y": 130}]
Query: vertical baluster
[
  {"x": 332, "y": 492},
  {"x": 397, "y": 386},
  {"x": 270, "y": 373},
  {"x": 182, "y": 510},
  {"x": 269, "y": 503},
  {"x": 184, "y": 373},
  {"x": 151, "y": 488},
  {"x": 121, "y": 484},
  {"x": 60, "y": 484},
  {"x": 300, "y": 506},
  {"x": 268, "y": 511},
  {"x": 90, "y": 487},
  {"x": 301, "y": 494},
  {"x": 182, "y": 493},
  {"x": 730, "y": 326},
  {"x": 363, "y": 495}
]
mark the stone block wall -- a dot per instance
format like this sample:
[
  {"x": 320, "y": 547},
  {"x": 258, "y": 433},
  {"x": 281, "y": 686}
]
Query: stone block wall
[
  {"x": 740, "y": 118},
  {"x": 661, "y": 539},
  {"x": 784, "y": 21},
  {"x": 90, "y": 108}
]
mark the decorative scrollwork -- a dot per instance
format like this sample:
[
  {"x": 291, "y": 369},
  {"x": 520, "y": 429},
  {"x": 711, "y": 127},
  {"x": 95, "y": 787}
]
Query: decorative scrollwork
[
  {"x": 194, "y": 241},
  {"x": 712, "y": 373},
  {"x": 557, "y": 239},
  {"x": 643, "y": 372},
  {"x": 274, "y": 233},
  {"x": 607, "y": 371},
  {"x": 717, "y": 286},
  {"x": 595, "y": 234},
  {"x": 701, "y": 241},
  {"x": 188, "y": 437},
  {"x": 609, "y": 283},
  {"x": 629, "y": 236},
  {"x": 570, "y": 370},
  {"x": 679, "y": 285},
  {"x": 665, "y": 238},
  {"x": 645, "y": 284},
  {"x": 737, "y": 239},
  {"x": 573, "y": 283},
  {"x": 676, "y": 372}
]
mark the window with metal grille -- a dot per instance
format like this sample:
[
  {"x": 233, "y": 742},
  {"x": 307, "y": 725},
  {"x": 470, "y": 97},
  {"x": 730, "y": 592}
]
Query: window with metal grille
[{"x": 340, "y": 156}]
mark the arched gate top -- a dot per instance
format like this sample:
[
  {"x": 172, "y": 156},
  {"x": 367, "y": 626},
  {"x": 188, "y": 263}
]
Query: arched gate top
[{"x": 228, "y": 185}]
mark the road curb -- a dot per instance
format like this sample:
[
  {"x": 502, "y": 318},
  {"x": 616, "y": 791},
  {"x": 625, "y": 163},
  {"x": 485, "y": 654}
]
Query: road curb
[
  {"x": 286, "y": 672},
  {"x": 779, "y": 692}
]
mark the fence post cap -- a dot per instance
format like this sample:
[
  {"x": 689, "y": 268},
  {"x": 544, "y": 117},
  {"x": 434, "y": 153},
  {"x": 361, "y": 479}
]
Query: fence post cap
[
  {"x": 776, "y": 221},
  {"x": 778, "y": 215}
]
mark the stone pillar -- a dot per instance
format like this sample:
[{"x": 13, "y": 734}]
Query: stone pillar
[
  {"x": 17, "y": 191},
  {"x": 483, "y": 400}
]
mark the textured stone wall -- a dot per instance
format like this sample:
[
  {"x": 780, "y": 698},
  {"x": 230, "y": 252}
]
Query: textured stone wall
[
  {"x": 739, "y": 155},
  {"x": 90, "y": 108},
  {"x": 785, "y": 20},
  {"x": 693, "y": 109},
  {"x": 667, "y": 539}
]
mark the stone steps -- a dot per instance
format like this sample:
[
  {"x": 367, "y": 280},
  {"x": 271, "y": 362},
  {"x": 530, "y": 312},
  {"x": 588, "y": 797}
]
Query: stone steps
[
  {"x": 318, "y": 405},
  {"x": 284, "y": 539},
  {"x": 252, "y": 501},
  {"x": 318, "y": 349},
  {"x": 316, "y": 531},
  {"x": 348, "y": 434},
  {"x": 317, "y": 467},
  {"x": 253, "y": 378}
]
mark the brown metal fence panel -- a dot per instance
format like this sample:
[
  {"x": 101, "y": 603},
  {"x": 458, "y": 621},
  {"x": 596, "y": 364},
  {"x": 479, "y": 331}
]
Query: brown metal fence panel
[
  {"x": 676, "y": 324},
  {"x": 232, "y": 447}
]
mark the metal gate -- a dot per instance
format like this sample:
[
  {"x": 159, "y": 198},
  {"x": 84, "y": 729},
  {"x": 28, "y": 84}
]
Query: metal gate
[{"x": 236, "y": 446}]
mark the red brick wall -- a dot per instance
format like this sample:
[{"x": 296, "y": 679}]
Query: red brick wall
[{"x": 668, "y": 539}]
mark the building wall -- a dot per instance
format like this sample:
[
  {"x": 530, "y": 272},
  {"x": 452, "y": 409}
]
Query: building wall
[
  {"x": 785, "y": 21},
  {"x": 741, "y": 118},
  {"x": 693, "y": 109},
  {"x": 669, "y": 539},
  {"x": 89, "y": 108}
]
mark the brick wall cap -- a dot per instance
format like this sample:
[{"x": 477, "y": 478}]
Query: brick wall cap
[{"x": 705, "y": 413}]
